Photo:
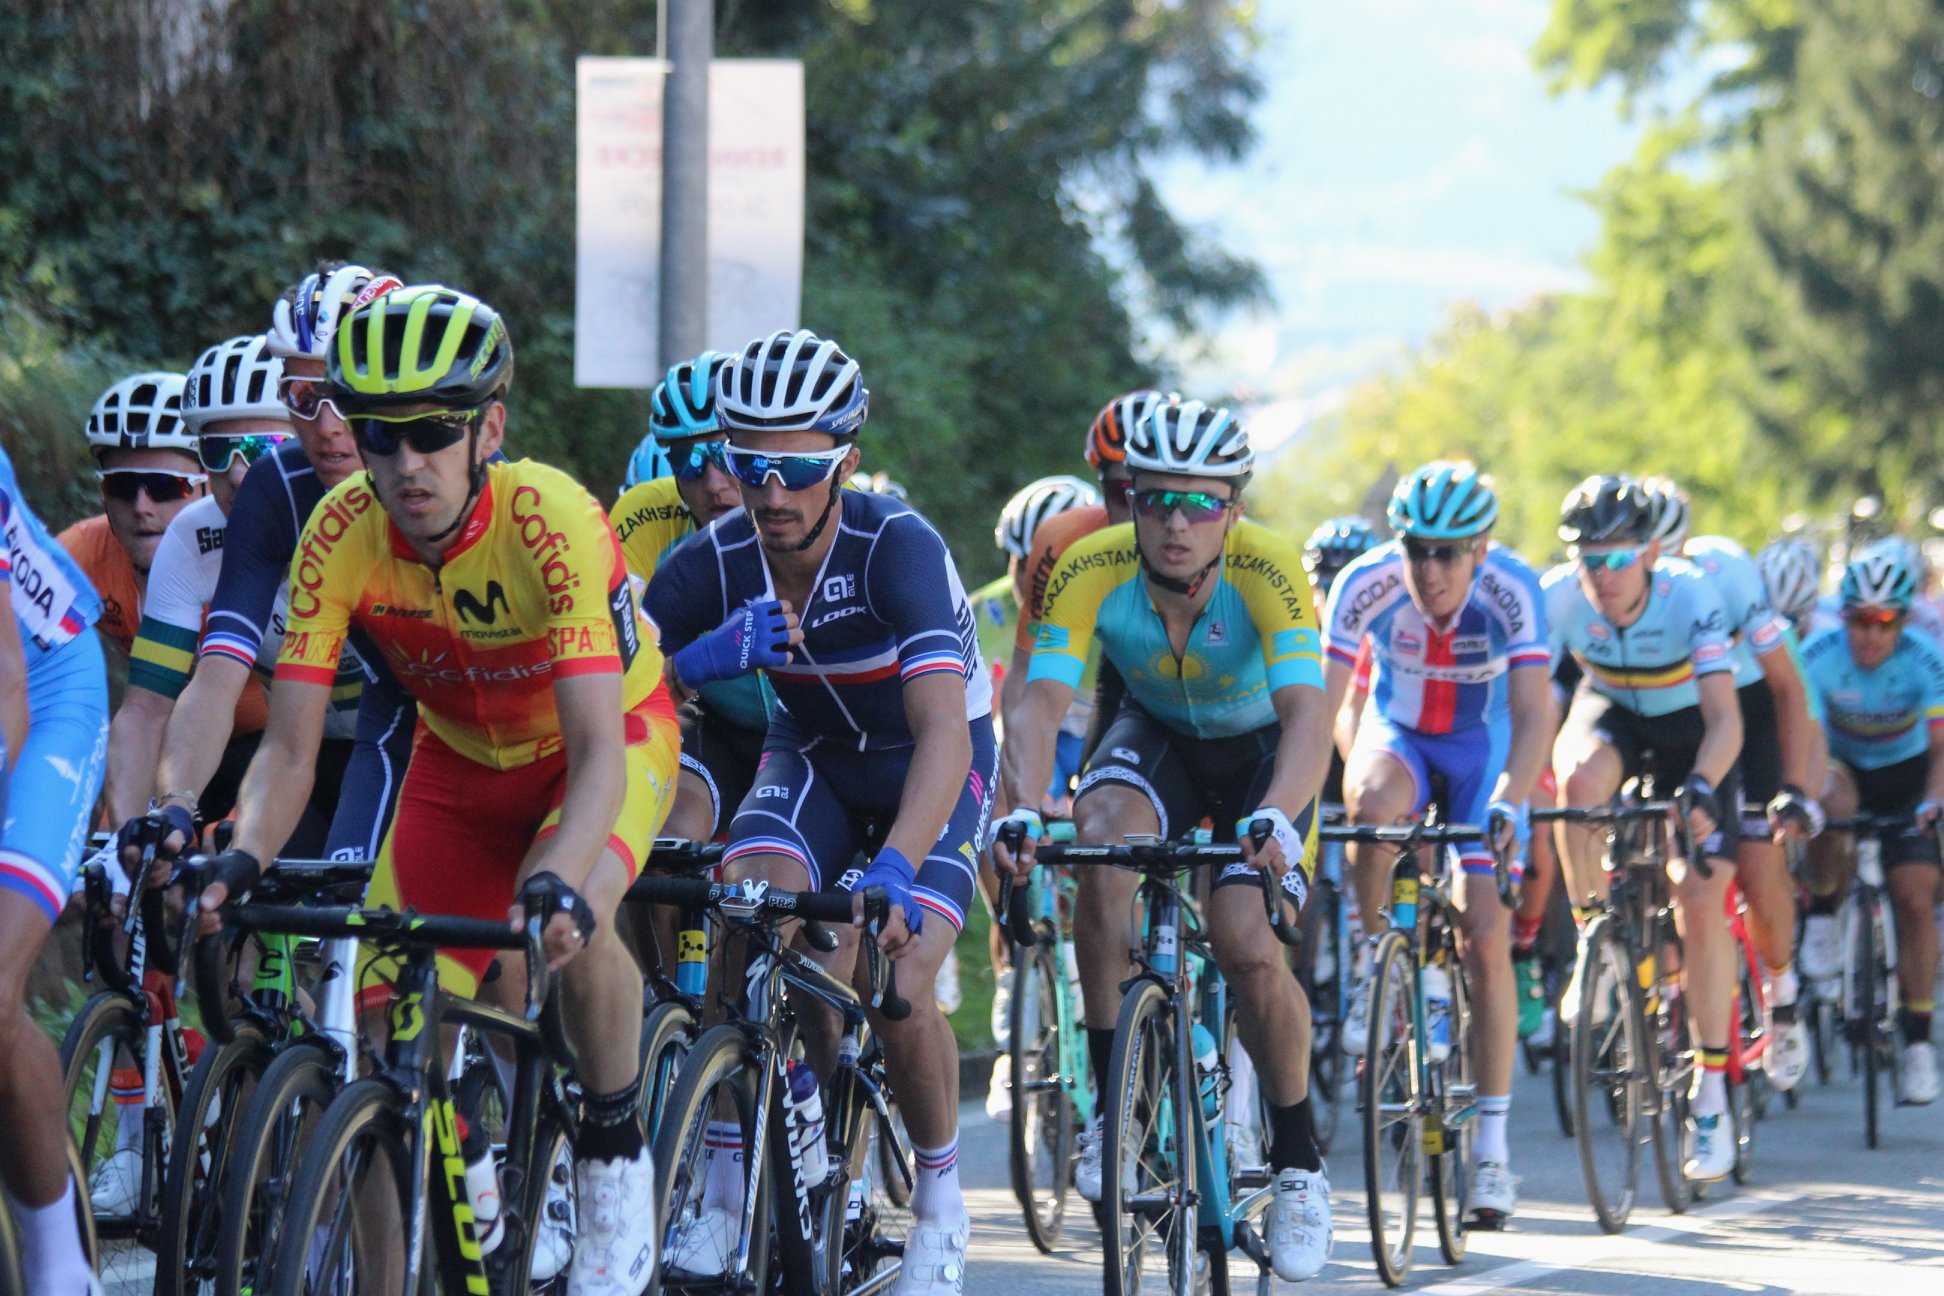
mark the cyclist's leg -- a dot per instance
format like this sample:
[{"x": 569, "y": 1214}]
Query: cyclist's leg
[
  {"x": 1832, "y": 863},
  {"x": 387, "y": 721},
  {"x": 1761, "y": 866},
  {"x": 1384, "y": 782},
  {"x": 51, "y": 793},
  {"x": 1708, "y": 974},
  {"x": 1595, "y": 749}
]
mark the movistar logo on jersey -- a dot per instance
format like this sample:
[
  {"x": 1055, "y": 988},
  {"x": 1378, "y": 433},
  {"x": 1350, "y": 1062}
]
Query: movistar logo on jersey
[{"x": 471, "y": 608}]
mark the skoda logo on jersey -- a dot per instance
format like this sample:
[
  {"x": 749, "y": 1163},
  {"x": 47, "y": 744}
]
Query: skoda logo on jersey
[{"x": 471, "y": 608}]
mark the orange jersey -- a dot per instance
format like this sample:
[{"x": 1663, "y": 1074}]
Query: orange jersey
[
  {"x": 534, "y": 588},
  {"x": 1049, "y": 542},
  {"x": 92, "y": 544}
]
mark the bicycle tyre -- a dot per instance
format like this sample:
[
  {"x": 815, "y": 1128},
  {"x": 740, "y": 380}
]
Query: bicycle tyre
[
  {"x": 1869, "y": 1010},
  {"x": 667, "y": 1033},
  {"x": 1145, "y": 1084},
  {"x": 12, "y": 1281},
  {"x": 515, "y": 1267},
  {"x": 225, "y": 1076},
  {"x": 1608, "y": 1076},
  {"x": 1672, "y": 1069},
  {"x": 364, "y": 1110},
  {"x": 719, "y": 1062},
  {"x": 1391, "y": 1081},
  {"x": 1451, "y": 1169},
  {"x": 110, "y": 1019},
  {"x": 1746, "y": 1101},
  {"x": 1041, "y": 1133},
  {"x": 1327, "y": 1000},
  {"x": 290, "y": 1098}
]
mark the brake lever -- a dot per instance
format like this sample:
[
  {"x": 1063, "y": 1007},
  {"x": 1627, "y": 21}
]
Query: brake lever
[
  {"x": 884, "y": 988},
  {"x": 820, "y": 937},
  {"x": 1289, "y": 933},
  {"x": 1014, "y": 916}
]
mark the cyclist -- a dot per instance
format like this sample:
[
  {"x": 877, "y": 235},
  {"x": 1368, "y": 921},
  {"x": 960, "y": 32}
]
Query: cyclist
[
  {"x": 1792, "y": 575},
  {"x": 234, "y": 418},
  {"x": 1883, "y": 688},
  {"x": 1650, "y": 638},
  {"x": 1461, "y": 693},
  {"x": 1208, "y": 619},
  {"x": 1330, "y": 548},
  {"x": 272, "y": 506},
  {"x": 1777, "y": 763},
  {"x": 997, "y": 607},
  {"x": 545, "y": 755},
  {"x": 883, "y": 719},
  {"x": 54, "y": 731}
]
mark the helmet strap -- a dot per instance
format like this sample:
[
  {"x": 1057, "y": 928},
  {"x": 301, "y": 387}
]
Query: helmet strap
[
  {"x": 822, "y": 518},
  {"x": 1187, "y": 588},
  {"x": 473, "y": 490}
]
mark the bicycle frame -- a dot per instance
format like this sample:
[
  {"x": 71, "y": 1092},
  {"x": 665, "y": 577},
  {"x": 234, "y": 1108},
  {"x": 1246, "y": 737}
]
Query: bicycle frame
[
  {"x": 1049, "y": 893},
  {"x": 1424, "y": 913}
]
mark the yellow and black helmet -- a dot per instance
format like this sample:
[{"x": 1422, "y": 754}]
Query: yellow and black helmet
[{"x": 420, "y": 343}]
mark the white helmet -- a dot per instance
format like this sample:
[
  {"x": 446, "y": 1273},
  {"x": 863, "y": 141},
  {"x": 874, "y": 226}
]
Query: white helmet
[
  {"x": 1020, "y": 520},
  {"x": 234, "y": 380},
  {"x": 792, "y": 382},
  {"x": 302, "y": 324},
  {"x": 1793, "y": 575},
  {"x": 1192, "y": 439},
  {"x": 141, "y": 412},
  {"x": 1670, "y": 524}
]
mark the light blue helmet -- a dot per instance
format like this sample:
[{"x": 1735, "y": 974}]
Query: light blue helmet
[
  {"x": 683, "y": 404},
  {"x": 1443, "y": 500},
  {"x": 1881, "y": 576},
  {"x": 649, "y": 462},
  {"x": 1335, "y": 545}
]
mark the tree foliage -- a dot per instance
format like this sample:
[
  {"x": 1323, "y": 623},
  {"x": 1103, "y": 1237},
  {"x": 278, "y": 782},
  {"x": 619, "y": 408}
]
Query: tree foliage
[{"x": 982, "y": 231}]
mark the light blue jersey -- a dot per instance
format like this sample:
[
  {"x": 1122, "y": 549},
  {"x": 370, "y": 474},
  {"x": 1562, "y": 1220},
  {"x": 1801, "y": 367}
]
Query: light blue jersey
[
  {"x": 1883, "y": 716},
  {"x": 1753, "y": 626},
  {"x": 1653, "y": 666}
]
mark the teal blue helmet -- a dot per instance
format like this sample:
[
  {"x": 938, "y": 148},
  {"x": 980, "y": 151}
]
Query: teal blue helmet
[
  {"x": 1335, "y": 545},
  {"x": 683, "y": 404},
  {"x": 1443, "y": 500},
  {"x": 649, "y": 462},
  {"x": 1881, "y": 576}
]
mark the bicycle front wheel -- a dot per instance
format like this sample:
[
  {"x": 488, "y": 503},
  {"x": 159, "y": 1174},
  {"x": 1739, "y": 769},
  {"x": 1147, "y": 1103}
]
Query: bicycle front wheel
[
  {"x": 1456, "y": 1088},
  {"x": 282, "y": 1119},
  {"x": 1041, "y": 1134},
  {"x": 212, "y": 1111},
  {"x": 344, "y": 1226},
  {"x": 1609, "y": 1076},
  {"x": 1870, "y": 1013},
  {"x": 1324, "y": 976},
  {"x": 716, "y": 1094},
  {"x": 1393, "y": 1118},
  {"x": 1147, "y": 1165},
  {"x": 122, "y": 1167}
]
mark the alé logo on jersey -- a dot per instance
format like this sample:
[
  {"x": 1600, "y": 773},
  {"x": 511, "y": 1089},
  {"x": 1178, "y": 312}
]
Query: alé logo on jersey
[{"x": 836, "y": 589}]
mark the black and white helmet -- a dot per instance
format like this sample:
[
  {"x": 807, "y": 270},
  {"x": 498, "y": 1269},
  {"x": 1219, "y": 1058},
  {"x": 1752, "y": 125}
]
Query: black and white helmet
[
  {"x": 1792, "y": 574},
  {"x": 301, "y": 324},
  {"x": 1189, "y": 439},
  {"x": 1035, "y": 502},
  {"x": 792, "y": 382},
  {"x": 1670, "y": 525},
  {"x": 141, "y": 412},
  {"x": 234, "y": 380}
]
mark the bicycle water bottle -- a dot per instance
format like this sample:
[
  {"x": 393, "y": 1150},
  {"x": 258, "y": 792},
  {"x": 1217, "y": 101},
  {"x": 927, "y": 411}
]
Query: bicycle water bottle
[
  {"x": 482, "y": 1185},
  {"x": 1208, "y": 1074},
  {"x": 1437, "y": 1012},
  {"x": 807, "y": 1102}
]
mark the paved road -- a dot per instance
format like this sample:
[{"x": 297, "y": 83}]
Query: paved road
[{"x": 1823, "y": 1216}]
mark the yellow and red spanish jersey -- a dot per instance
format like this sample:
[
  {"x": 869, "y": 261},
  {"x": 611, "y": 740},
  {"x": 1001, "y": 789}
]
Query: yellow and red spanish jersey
[{"x": 535, "y": 587}]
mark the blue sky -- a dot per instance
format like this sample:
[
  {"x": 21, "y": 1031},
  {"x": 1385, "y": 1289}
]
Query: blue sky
[{"x": 1409, "y": 157}]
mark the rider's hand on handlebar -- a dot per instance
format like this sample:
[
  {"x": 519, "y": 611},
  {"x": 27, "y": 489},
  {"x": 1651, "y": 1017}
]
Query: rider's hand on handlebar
[
  {"x": 1794, "y": 815},
  {"x": 1703, "y": 811},
  {"x": 898, "y": 937},
  {"x": 1928, "y": 814},
  {"x": 569, "y": 923},
  {"x": 1023, "y": 825},
  {"x": 1281, "y": 853},
  {"x": 171, "y": 828},
  {"x": 230, "y": 874},
  {"x": 1507, "y": 827}
]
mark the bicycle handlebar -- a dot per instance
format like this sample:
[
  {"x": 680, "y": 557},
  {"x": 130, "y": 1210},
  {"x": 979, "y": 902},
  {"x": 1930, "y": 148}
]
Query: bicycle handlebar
[{"x": 1615, "y": 813}]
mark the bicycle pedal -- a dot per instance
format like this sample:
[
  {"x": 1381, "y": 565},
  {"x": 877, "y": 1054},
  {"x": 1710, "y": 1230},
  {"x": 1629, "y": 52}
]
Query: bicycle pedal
[{"x": 1487, "y": 1221}]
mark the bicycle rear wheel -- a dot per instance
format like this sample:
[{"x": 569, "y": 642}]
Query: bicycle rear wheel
[
  {"x": 1393, "y": 1134},
  {"x": 1455, "y": 1086},
  {"x": 1040, "y": 1142},
  {"x": 1869, "y": 1011},
  {"x": 1747, "y": 1100},
  {"x": 1671, "y": 1068},
  {"x": 667, "y": 1033},
  {"x": 1609, "y": 1076},
  {"x": 1147, "y": 1165},
  {"x": 718, "y": 1086},
  {"x": 348, "y": 1205},
  {"x": 212, "y": 1111}
]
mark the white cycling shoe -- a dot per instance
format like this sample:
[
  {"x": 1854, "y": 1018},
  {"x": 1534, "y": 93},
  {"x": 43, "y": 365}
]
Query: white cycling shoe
[
  {"x": 999, "y": 1094},
  {"x": 1712, "y": 1139},
  {"x": 934, "y": 1259},
  {"x": 1494, "y": 1195},
  {"x": 1086, "y": 1169},
  {"x": 553, "y": 1244},
  {"x": 706, "y": 1244},
  {"x": 116, "y": 1188},
  {"x": 1788, "y": 1058},
  {"x": 1300, "y": 1229},
  {"x": 1821, "y": 955},
  {"x": 615, "y": 1252},
  {"x": 1918, "y": 1086},
  {"x": 1356, "y": 1023}
]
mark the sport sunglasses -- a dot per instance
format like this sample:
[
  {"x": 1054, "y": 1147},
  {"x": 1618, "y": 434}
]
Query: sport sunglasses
[
  {"x": 305, "y": 398},
  {"x": 690, "y": 464},
  {"x": 1872, "y": 616},
  {"x": 163, "y": 487},
  {"x": 383, "y": 434},
  {"x": 217, "y": 453},
  {"x": 796, "y": 471},
  {"x": 1610, "y": 560},
  {"x": 1443, "y": 554},
  {"x": 1196, "y": 506}
]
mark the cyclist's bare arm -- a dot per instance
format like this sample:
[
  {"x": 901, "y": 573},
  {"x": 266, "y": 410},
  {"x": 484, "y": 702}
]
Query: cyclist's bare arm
[
  {"x": 1721, "y": 738},
  {"x": 1027, "y": 755},
  {"x": 134, "y": 747},
  {"x": 1793, "y": 727},
  {"x": 595, "y": 742},
  {"x": 941, "y": 757},
  {"x": 1013, "y": 686},
  {"x": 13, "y": 679},
  {"x": 200, "y": 727},
  {"x": 1529, "y": 693},
  {"x": 1336, "y": 689}
]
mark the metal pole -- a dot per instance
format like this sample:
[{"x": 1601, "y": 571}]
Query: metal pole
[{"x": 690, "y": 44}]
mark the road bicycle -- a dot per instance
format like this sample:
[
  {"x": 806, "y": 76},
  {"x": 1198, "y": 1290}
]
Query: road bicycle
[
  {"x": 1327, "y": 966},
  {"x": 794, "y": 1231},
  {"x": 1178, "y": 1198},
  {"x": 1418, "y": 1090}
]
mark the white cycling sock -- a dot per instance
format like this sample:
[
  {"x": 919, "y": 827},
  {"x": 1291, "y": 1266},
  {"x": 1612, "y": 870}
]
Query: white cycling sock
[
  {"x": 1494, "y": 1113},
  {"x": 1710, "y": 1094},
  {"x": 936, "y": 1197},
  {"x": 722, "y": 1154},
  {"x": 50, "y": 1244},
  {"x": 1784, "y": 987}
]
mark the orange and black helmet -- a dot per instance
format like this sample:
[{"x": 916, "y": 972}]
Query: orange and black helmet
[{"x": 1107, "y": 438}]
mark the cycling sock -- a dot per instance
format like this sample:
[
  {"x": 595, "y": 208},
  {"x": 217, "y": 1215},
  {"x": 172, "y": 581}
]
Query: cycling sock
[
  {"x": 610, "y": 1128},
  {"x": 722, "y": 1157},
  {"x": 1915, "y": 1020},
  {"x": 935, "y": 1197},
  {"x": 1525, "y": 936},
  {"x": 125, "y": 1087},
  {"x": 1784, "y": 987},
  {"x": 1709, "y": 1096},
  {"x": 1493, "y": 1116},
  {"x": 1825, "y": 906},
  {"x": 1100, "y": 1055},
  {"x": 50, "y": 1243},
  {"x": 1292, "y": 1138}
]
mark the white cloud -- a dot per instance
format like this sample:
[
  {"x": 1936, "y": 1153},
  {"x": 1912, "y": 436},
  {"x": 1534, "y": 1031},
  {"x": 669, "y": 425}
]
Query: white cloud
[{"x": 1459, "y": 270}]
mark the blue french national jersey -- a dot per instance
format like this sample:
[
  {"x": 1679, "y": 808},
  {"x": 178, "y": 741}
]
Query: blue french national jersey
[
  {"x": 1439, "y": 681},
  {"x": 887, "y": 607},
  {"x": 53, "y": 601},
  {"x": 1651, "y": 667},
  {"x": 1754, "y": 628},
  {"x": 1877, "y": 717}
]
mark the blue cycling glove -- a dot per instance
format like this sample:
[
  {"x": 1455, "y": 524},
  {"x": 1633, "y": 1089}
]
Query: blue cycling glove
[
  {"x": 755, "y": 637},
  {"x": 892, "y": 871}
]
